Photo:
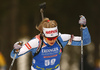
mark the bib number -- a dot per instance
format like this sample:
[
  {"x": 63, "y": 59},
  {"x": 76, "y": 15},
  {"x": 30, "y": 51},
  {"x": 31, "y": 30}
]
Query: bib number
[{"x": 50, "y": 62}]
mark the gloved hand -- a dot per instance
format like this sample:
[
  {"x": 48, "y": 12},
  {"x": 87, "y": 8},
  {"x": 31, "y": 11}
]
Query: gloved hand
[
  {"x": 18, "y": 45},
  {"x": 82, "y": 20}
]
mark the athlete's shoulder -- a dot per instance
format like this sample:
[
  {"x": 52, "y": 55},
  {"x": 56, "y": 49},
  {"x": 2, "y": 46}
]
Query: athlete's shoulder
[
  {"x": 34, "y": 42},
  {"x": 65, "y": 37}
]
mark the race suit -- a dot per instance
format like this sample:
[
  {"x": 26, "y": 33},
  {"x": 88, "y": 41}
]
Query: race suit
[{"x": 49, "y": 56}]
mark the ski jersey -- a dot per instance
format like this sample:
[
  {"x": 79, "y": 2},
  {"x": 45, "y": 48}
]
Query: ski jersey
[{"x": 49, "y": 56}]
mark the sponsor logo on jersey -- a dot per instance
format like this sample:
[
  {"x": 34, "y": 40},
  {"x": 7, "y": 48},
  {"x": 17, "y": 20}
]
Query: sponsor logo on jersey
[
  {"x": 50, "y": 56},
  {"x": 52, "y": 31},
  {"x": 55, "y": 67},
  {"x": 49, "y": 50}
]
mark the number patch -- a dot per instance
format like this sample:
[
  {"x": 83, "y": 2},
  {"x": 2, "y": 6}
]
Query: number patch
[{"x": 50, "y": 62}]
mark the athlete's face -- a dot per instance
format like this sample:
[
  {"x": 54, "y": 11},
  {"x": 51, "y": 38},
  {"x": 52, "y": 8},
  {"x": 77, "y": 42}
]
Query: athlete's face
[{"x": 50, "y": 41}]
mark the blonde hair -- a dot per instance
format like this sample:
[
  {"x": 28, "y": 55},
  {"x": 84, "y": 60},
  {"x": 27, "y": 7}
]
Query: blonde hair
[{"x": 46, "y": 23}]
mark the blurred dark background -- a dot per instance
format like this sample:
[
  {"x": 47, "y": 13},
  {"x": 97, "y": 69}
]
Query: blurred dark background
[{"x": 16, "y": 13}]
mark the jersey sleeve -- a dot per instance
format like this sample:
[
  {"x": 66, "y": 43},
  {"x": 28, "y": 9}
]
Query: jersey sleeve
[
  {"x": 76, "y": 40},
  {"x": 64, "y": 38},
  {"x": 86, "y": 38},
  {"x": 67, "y": 37},
  {"x": 30, "y": 46}
]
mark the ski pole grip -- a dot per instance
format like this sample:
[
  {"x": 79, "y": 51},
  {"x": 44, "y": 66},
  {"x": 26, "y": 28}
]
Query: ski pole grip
[{"x": 20, "y": 43}]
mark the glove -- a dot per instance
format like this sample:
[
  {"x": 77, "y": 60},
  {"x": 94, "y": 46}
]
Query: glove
[
  {"x": 82, "y": 20},
  {"x": 18, "y": 45}
]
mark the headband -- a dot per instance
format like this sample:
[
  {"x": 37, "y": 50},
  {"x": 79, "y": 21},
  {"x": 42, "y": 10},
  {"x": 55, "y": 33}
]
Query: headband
[{"x": 50, "y": 32}]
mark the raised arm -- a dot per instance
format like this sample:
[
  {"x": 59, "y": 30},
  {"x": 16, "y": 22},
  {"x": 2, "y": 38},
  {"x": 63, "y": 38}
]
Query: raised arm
[
  {"x": 86, "y": 34},
  {"x": 76, "y": 40},
  {"x": 86, "y": 38}
]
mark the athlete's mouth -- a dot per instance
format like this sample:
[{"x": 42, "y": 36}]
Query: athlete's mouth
[{"x": 51, "y": 43}]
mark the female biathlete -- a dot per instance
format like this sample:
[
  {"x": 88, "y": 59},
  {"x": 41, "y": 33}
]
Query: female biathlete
[{"x": 47, "y": 47}]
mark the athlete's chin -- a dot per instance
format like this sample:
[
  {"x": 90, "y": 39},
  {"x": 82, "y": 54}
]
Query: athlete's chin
[{"x": 51, "y": 44}]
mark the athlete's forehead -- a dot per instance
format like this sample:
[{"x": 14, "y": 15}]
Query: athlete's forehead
[{"x": 50, "y": 32}]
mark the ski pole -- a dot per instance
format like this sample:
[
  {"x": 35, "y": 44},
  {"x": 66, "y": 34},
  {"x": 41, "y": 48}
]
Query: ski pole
[
  {"x": 16, "y": 51},
  {"x": 13, "y": 61},
  {"x": 81, "y": 49},
  {"x": 81, "y": 46}
]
